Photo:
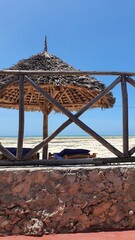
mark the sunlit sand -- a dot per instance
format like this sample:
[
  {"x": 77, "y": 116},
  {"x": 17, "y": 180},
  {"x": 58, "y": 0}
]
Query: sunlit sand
[{"x": 60, "y": 143}]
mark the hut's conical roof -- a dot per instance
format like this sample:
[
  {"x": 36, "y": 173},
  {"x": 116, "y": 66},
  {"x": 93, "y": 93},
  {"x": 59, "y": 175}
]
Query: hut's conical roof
[{"x": 73, "y": 92}]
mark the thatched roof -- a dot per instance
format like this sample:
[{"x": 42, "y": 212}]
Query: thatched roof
[{"x": 73, "y": 92}]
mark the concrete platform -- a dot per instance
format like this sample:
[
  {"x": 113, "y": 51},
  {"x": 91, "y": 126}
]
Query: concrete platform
[{"x": 124, "y": 235}]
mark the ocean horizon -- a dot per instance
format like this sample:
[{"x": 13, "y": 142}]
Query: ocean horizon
[{"x": 68, "y": 136}]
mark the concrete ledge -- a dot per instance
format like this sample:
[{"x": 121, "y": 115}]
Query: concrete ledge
[{"x": 37, "y": 201}]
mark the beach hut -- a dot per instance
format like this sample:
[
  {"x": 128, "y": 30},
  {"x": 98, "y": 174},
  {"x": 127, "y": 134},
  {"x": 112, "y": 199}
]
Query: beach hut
[{"x": 72, "y": 92}]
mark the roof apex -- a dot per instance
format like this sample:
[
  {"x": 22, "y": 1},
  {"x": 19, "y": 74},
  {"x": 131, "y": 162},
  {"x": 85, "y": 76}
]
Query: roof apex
[{"x": 45, "y": 44}]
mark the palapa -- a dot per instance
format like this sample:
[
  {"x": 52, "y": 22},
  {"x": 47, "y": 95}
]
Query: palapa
[{"x": 73, "y": 92}]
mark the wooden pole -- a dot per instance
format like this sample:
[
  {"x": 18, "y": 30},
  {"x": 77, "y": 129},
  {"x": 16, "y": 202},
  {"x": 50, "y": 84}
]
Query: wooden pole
[
  {"x": 45, "y": 129},
  {"x": 65, "y": 73},
  {"x": 131, "y": 81},
  {"x": 21, "y": 118},
  {"x": 6, "y": 153},
  {"x": 125, "y": 116},
  {"x": 67, "y": 162},
  {"x": 132, "y": 151}
]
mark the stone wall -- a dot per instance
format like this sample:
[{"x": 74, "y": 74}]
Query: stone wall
[{"x": 37, "y": 201}]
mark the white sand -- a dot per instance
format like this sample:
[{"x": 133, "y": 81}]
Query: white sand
[{"x": 59, "y": 143}]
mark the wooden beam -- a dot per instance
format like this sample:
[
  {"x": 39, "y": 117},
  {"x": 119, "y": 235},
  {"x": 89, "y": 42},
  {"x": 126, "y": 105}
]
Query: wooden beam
[
  {"x": 45, "y": 134},
  {"x": 125, "y": 116},
  {"x": 47, "y": 140},
  {"x": 102, "y": 94},
  {"x": 132, "y": 151},
  {"x": 65, "y": 73},
  {"x": 39, "y": 103},
  {"x": 67, "y": 162},
  {"x": 21, "y": 118},
  {"x": 7, "y": 154},
  {"x": 131, "y": 81},
  {"x": 15, "y": 105},
  {"x": 45, "y": 129},
  {"x": 55, "y": 94},
  {"x": 75, "y": 120},
  {"x": 7, "y": 84}
]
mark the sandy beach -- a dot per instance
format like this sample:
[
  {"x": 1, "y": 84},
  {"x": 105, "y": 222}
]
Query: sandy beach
[{"x": 85, "y": 142}]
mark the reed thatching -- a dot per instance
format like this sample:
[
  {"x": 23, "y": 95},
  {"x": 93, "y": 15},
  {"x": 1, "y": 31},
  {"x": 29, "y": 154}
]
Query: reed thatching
[{"x": 73, "y": 92}]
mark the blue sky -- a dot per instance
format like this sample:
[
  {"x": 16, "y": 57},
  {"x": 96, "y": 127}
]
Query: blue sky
[{"x": 88, "y": 34}]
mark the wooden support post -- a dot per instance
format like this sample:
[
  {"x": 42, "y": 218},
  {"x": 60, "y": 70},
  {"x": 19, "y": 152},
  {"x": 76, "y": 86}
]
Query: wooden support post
[
  {"x": 45, "y": 129},
  {"x": 125, "y": 116},
  {"x": 132, "y": 82},
  {"x": 21, "y": 118}
]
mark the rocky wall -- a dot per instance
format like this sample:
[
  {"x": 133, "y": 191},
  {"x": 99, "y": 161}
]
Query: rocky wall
[{"x": 37, "y": 201}]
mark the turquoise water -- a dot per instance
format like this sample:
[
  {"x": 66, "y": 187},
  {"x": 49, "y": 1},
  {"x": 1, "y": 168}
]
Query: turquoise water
[{"x": 66, "y": 136}]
